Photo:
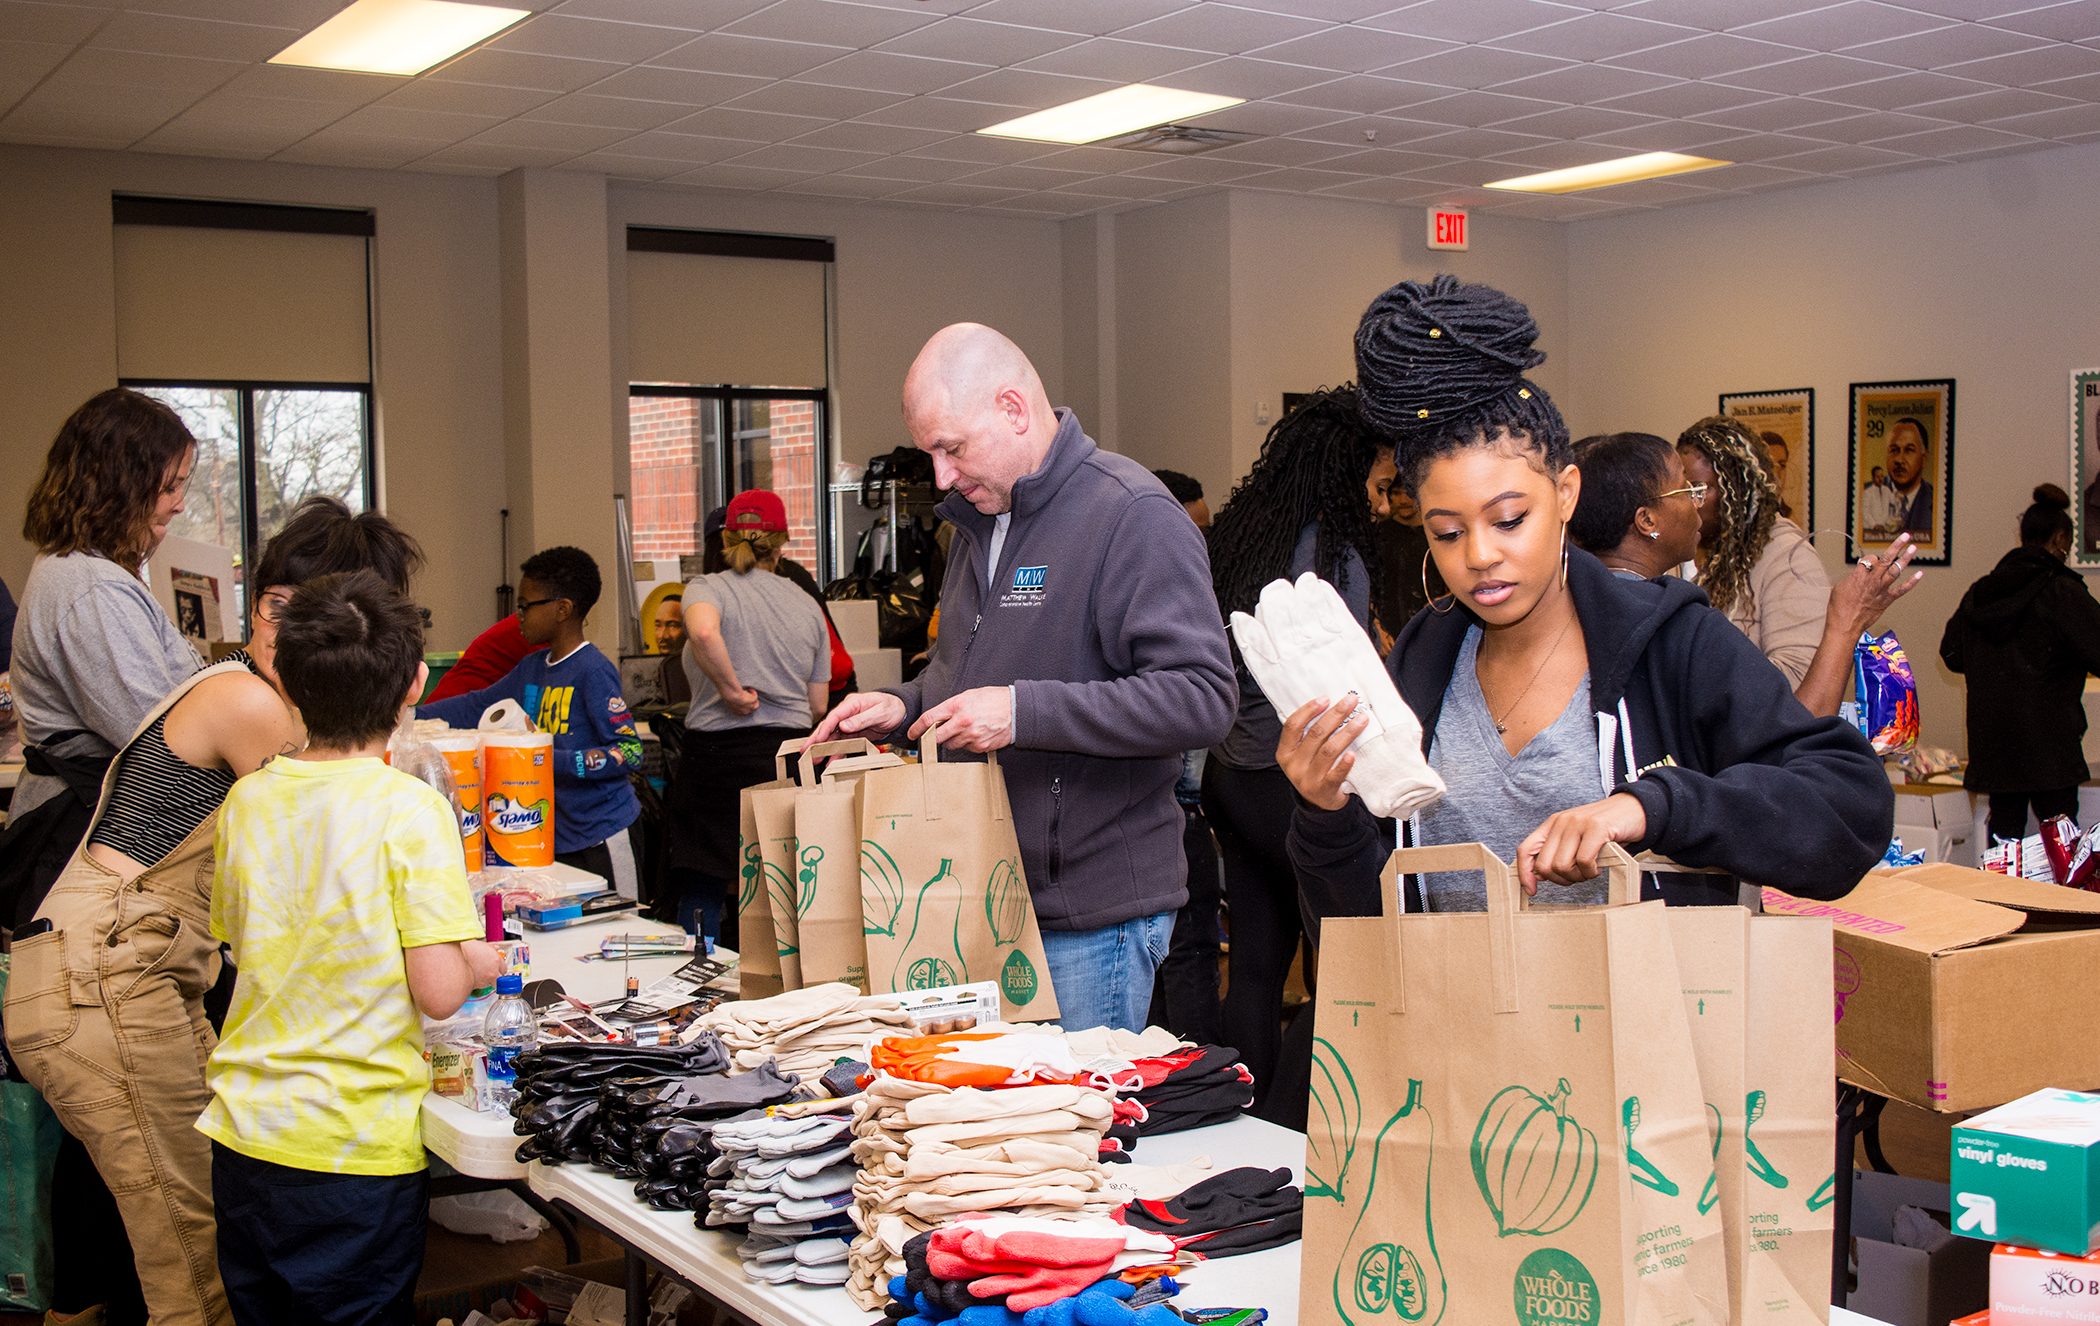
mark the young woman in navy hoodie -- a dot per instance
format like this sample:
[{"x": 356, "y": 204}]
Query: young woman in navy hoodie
[{"x": 1565, "y": 708}]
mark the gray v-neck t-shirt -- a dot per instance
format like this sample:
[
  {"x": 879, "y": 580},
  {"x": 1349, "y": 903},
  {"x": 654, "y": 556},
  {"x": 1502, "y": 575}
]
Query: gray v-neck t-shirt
[{"x": 1495, "y": 798}]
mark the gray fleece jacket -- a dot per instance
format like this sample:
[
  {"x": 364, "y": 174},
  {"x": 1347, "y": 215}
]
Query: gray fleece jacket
[{"x": 1104, "y": 623}]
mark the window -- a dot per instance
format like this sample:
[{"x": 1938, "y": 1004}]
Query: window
[
  {"x": 691, "y": 449},
  {"x": 261, "y": 449}
]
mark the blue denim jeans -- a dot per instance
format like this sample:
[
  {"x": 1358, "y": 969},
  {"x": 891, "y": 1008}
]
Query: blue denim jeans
[{"x": 1103, "y": 977}]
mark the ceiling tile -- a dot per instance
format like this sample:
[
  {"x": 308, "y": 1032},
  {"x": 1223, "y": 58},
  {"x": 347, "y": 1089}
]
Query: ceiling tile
[
  {"x": 142, "y": 73},
  {"x": 728, "y": 122},
  {"x": 1560, "y": 156},
  {"x": 1091, "y": 18},
  {"x": 1099, "y": 160},
  {"x": 845, "y": 186},
  {"x": 958, "y": 194},
  {"x": 682, "y": 87},
  {"x": 24, "y": 63},
  {"x": 588, "y": 39},
  {"x": 1362, "y": 131},
  {"x": 58, "y": 24},
  {"x": 830, "y": 22},
  {"x": 1027, "y": 177},
  {"x": 517, "y": 69},
  {"x": 1478, "y": 67},
  {"x": 618, "y": 167},
  {"x": 329, "y": 148},
  {"x": 1030, "y": 91},
  {"x": 165, "y": 35},
  {"x": 1205, "y": 169},
  {"x": 1355, "y": 50},
  {"x": 1470, "y": 174},
  {"x": 1836, "y": 160},
  {"x": 1642, "y": 192},
  {"x": 908, "y": 167},
  {"x": 570, "y": 138},
  {"x": 1713, "y": 15},
  {"x": 1751, "y": 177},
  {"x": 612, "y": 112},
  {"x": 1548, "y": 207},
  {"x": 880, "y": 71},
  {"x": 832, "y": 103},
  {"x": 1473, "y": 109},
  {"x": 2027, "y": 68},
  {"x": 2077, "y": 20},
  {"x": 2083, "y": 88},
  {"x": 1396, "y": 191},
  {"x": 1685, "y": 99},
  {"x": 251, "y": 142},
  {"x": 985, "y": 43},
  {"x": 1221, "y": 28},
  {"x": 1472, "y": 20},
  {"x": 1762, "y": 147},
  {"x": 420, "y": 126},
  {"x": 721, "y": 53},
  {"x": 1779, "y": 114},
  {"x": 1945, "y": 46},
  {"x": 981, "y": 151},
  {"x": 787, "y": 156},
  {"x": 1479, "y": 143},
  {"x": 690, "y": 15},
  {"x": 503, "y": 158},
  {"x": 1586, "y": 84},
  {"x": 1853, "y": 23},
  {"x": 1994, "y": 105},
  {"x": 1245, "y": 77},
  {"x": 1574, "y": 122},
  {"x": 1973, "y": 10},
  {"x": 960, "y": 117},
  {"x": 924, "y": 6},
  {"x": 1121, "y": 186},
  {"x": 1867, "y": 128},
  {"x": 1367, "y": 94},
  {"x": 1707, "y": 57},
  {"x": 1813, "y": 73},
  {"x": 1271, "y": 117},
  {"x": 1062, "y": 204},
  {"x": 1957, "y": 140},
  {"x": 1332, "y": 11},
  {"x": 1905, "y": 91},
  {"x": 2053, "y": 124},
  {"x": 301, "y": 14},
  {"x": 1669, "y": 136},
  {"x": 1125, "y": 61},
  {"x": 467, "y": 98},
  {"x": 740, "y": 179},
  {"x": 1296, "y": 180},
  {"x": 1596, "y": 37},
  {"x": 248, "y": 122},
  {"x": 278, "y": 80},
  {"x": 855, "y": 137},
  {"x": 1386, "y": 161}
]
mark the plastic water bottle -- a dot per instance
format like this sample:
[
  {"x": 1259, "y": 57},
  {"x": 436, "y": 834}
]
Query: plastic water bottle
[{"x": 509, "y": 1029}]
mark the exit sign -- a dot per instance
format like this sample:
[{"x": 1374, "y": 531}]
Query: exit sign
[{"x": 1447, "y": 228}]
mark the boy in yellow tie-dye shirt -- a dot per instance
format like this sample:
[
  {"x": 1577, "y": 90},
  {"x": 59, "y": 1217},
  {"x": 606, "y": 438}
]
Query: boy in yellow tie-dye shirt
[{"x": 341, "y": 890}]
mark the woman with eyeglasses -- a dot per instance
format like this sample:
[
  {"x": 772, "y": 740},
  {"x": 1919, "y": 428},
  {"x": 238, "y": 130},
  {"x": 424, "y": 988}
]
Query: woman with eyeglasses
[
  {"x": 128, "y": 923},
  {"x": 1761, "y": 571},
  {"x": 1639, "y": 513}
]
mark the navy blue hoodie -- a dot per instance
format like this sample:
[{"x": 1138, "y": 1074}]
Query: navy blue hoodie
[
  {"x": 1691, "y": 720},
  {"x": 1105, "y": 625}
]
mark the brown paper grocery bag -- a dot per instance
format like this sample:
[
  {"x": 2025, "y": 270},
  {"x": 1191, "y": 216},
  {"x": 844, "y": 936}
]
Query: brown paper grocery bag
[
  {"x": 769, "y": 894},
  {"x": 1789, "y": 1122},
  {"x": 1713, "y": 969},
  {"x": 944, "y": 899},
  {"x": 1505, "y": 1120},
  {"x": 827, "y": 838}
]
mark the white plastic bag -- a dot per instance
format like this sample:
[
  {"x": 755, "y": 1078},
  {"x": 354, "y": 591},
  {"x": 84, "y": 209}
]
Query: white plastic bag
[{"x": 499, "y": 1215}]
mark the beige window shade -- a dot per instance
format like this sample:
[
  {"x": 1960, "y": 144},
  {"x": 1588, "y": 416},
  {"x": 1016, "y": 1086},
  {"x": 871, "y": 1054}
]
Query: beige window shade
[
  {"x": 729, "y": 321},
  {"x": 197, "y": 304}
]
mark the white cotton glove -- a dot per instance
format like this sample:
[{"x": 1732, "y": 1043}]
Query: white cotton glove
[{"x": 1300, "y": 644}]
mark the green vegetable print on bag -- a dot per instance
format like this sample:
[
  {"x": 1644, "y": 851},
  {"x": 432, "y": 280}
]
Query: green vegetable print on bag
[
  {"x": 780, "y": 892},
  {"x": 1391, "y": 1269},
  {"x": 1642, "y": 1169},
  {"x": 1765, "y": 1170},
  {"x": 881, "y": 891},
  {"x": 1534, "y": 1163},
  {"x": 1711, "y": 1193},
  {"x": 748, "y": 877},
  {"x": 1005, "y": 904},
  {"x": 806, "y": 875},
  {"x": 928, "y": 971}
]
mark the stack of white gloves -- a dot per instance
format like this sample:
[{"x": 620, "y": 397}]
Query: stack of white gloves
[{"x": 1301, "y": 644}]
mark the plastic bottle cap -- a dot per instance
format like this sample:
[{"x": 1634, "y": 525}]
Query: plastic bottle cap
[{"x": 510, "y": 983}]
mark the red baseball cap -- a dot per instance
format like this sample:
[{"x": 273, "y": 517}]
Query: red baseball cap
[{"x": 756, "y": 510}]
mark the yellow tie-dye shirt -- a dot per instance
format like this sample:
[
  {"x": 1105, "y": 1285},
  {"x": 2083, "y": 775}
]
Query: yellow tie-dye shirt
[{"x": 327, "y": 870}]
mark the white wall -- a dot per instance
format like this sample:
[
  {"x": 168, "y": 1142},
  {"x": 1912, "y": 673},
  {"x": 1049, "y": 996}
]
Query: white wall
[
  {"x": 1173, "y": 331},
  {"x": 1980, "y": 272},
  {"x": 439, "y": 372}
]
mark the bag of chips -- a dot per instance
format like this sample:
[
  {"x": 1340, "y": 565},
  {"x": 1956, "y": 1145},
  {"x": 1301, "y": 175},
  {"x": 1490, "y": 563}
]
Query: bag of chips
[{"x": 1885, "y": 694}]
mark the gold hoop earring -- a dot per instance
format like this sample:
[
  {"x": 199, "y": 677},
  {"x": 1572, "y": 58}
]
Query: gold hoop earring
[{"x": 1450, "y": 600}]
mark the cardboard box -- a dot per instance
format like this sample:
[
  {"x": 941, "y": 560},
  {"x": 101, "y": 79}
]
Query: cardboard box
[
  {"x": 1907, "y": 1286},
  {"x": 2030, "y": 1287},
  {"x": 1954, "y": 988},
  {"x": 1934, "y": 806},
  {"x": 2029, "y": 1173}
]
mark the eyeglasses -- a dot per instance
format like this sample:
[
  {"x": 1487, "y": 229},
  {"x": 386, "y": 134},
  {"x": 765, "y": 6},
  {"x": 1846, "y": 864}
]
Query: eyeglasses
[
  {"x": 526, "y": 605},
  {"x": 1695, "y": 491},
  {"x": 270, "y": 607}
]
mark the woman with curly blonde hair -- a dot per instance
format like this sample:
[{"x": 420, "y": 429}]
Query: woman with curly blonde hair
[{"x": 1761, "y": 571}]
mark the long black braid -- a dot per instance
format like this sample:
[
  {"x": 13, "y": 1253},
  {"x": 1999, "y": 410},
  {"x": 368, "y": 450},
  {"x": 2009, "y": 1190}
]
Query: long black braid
[
  {"x": 1311, "y": 472},
  {"x": 1441, "y": 367}
]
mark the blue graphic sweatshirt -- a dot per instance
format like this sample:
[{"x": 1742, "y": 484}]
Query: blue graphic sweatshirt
[{"x": 577, "y": 699}]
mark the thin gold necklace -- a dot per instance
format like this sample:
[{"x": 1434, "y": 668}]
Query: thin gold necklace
[{"x": 1501, "y": 724}]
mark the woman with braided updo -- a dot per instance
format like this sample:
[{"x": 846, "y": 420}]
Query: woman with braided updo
[
  {"x": 1761, "y": 571},
  {"x": 1563, "y": 707}
]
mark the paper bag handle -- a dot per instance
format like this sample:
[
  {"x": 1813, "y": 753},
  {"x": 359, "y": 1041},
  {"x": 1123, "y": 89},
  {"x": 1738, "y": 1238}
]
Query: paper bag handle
[
  {"x": 1503, "y": 903},
  {"x": 930, "y": 760},
  {"x": 843, "y": 746}
]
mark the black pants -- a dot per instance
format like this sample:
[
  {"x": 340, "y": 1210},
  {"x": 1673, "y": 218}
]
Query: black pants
[
  {"x": 1250, "y": 811},
  {"x": 297, "y": 1245},
  {"x": 1185, "y": 992},
  {"x": 2009, "y": 809}
]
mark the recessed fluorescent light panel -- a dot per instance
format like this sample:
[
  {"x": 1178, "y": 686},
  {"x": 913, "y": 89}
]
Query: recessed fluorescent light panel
[
  {"x": 397, "y": 36},
  {"x": 1107, "y": 114},
  {"x": 1647, "y": 166}
]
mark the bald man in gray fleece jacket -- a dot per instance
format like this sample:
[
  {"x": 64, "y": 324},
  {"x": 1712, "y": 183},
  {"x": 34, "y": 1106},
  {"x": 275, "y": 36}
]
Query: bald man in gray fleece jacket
[{"x": 1080, "y": 636}]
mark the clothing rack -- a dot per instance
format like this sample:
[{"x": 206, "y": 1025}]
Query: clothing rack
[{"x": 897, "y": 502}]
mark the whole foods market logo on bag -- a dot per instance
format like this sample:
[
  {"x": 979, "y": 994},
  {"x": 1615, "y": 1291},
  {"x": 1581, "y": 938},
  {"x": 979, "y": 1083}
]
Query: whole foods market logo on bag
[{"x": 1553, "y": 1289}]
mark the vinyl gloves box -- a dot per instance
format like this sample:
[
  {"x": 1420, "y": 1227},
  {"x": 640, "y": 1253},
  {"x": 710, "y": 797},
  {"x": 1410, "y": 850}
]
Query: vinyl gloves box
[{"x": 2029, "y": 1173}]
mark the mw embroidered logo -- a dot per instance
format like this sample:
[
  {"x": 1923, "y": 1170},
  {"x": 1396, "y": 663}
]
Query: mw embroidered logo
[{"x": 1030, "y": 579}]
